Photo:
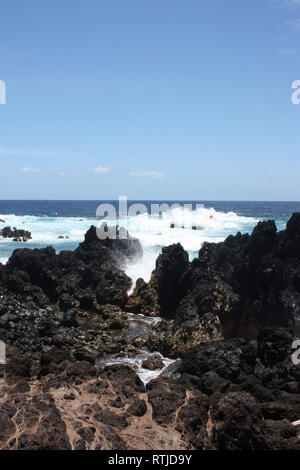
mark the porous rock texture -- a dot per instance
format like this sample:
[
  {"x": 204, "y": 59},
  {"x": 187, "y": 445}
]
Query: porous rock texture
[
  {"x": 230, "y": 395},
  {"x": 229, "y": 315},
  {"x": 232, "y": 289},
  {"x": 16, "y": 234},
  {"x": 69, "y": 303}
]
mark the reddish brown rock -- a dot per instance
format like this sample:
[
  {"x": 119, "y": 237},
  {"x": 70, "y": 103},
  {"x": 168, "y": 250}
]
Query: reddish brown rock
[
  {"x": 153, "y": 362},
  {"x": 138, "y": 408}
]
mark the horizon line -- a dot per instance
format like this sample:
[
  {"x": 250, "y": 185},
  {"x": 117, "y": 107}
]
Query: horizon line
[{"x": 151, "y": 200}]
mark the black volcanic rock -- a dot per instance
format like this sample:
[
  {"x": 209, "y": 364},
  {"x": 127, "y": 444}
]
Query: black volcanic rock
[
  {"x": 248, "y": 281},
  {"x": 15, "y": 234},
  {"x": 153, "y": 362},
  {"x": 253, "y": 386},
  {"x": 274, "y": 346},
  {"x": 171, "y": 264},
  {"x": 115, "y": 251},
  {"x": 143, "y": 299},
  {"x": 63, "y": 311},
  {"x": 226, "y": 360},
  {"x": 243, "y": 364},
  {"x": 67, "y": 301},
  {"x": 92, "y": 274}
]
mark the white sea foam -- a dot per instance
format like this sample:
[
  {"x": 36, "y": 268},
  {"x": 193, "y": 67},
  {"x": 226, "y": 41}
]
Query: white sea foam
[
  {"x": 48, "y": 229},
  {"x": 153, "y": 232},
  {"x": 136, "y": 363},
  {"x": 139, "y": 325},
  {"x": 210, "y": 225}
]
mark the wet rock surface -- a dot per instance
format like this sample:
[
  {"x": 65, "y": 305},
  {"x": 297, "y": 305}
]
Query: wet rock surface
[{"x": 153, "y": 362}]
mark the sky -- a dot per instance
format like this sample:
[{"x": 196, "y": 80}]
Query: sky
[{"x": 153, "y": 99}]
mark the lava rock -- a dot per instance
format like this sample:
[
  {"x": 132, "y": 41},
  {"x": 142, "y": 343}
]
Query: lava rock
[
  {"x": 248, "y": 282},
  {"x": 138, "y": 408},
  {"x": 153, "y": 362},
  {"x": 15, "y": 234}
]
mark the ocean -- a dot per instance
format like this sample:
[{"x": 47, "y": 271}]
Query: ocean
[{"x": 48, "y": 220}]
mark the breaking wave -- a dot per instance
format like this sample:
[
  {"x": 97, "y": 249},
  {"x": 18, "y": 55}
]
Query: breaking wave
[{"x": 190, "y": 228}]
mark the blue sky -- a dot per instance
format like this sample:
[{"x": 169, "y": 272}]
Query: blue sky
[{"x": 153, "y": 99}]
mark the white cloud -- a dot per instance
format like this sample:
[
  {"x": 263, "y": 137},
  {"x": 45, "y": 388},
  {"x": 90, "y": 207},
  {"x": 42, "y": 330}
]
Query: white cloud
[
  {"x": 101, "y": 170},
  {"x": 62, "y": 173},
  {"x": 139, "y": 173},
  {"x": 28, "y": 169}
]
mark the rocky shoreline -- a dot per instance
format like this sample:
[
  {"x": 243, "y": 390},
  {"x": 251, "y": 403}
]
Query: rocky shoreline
[
  {"x": 230, "y": 317},
  {"x": 16, "y": 234}
]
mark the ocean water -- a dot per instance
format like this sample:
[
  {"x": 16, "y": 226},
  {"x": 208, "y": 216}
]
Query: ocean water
[{"x": 47, "y": 220}]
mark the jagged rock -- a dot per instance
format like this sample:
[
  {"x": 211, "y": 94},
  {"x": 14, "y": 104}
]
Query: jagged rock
[
  {"x": 143, "y": 299},
  {"x": 173, "y": 339},
  {"x": 281, "y": 435},
  {"x": 63, "y": 311},
  {"x": 193, "y": 420},
  {"x": 153, "y": 362},
  {"x": 90, "y": 408},
  {"x": 170, "y": 267},
  {"x": 237, "y": 423},
  {"x": 215, "y": 365},
  {"x": 75, "y": 333},
  {"x": 89, "y": 276},
  {"x": 172, "y": 370},
  {"x": 115, "y": 251},
  {"x": 16, "y": 234},
  {"x": 138, "y": 408},
  {"x": 247, "y": 281},
  {"x": 242, "y": 365},
  {"x": 165, "y": 396}
]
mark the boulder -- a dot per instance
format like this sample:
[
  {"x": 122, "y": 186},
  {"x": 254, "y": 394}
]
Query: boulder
[
  {"x": 153, "y": 362},
  {"x": 16, "y": 234}
]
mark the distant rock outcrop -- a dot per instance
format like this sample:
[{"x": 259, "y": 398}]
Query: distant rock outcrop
[{"x": 16, "y": 234}]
